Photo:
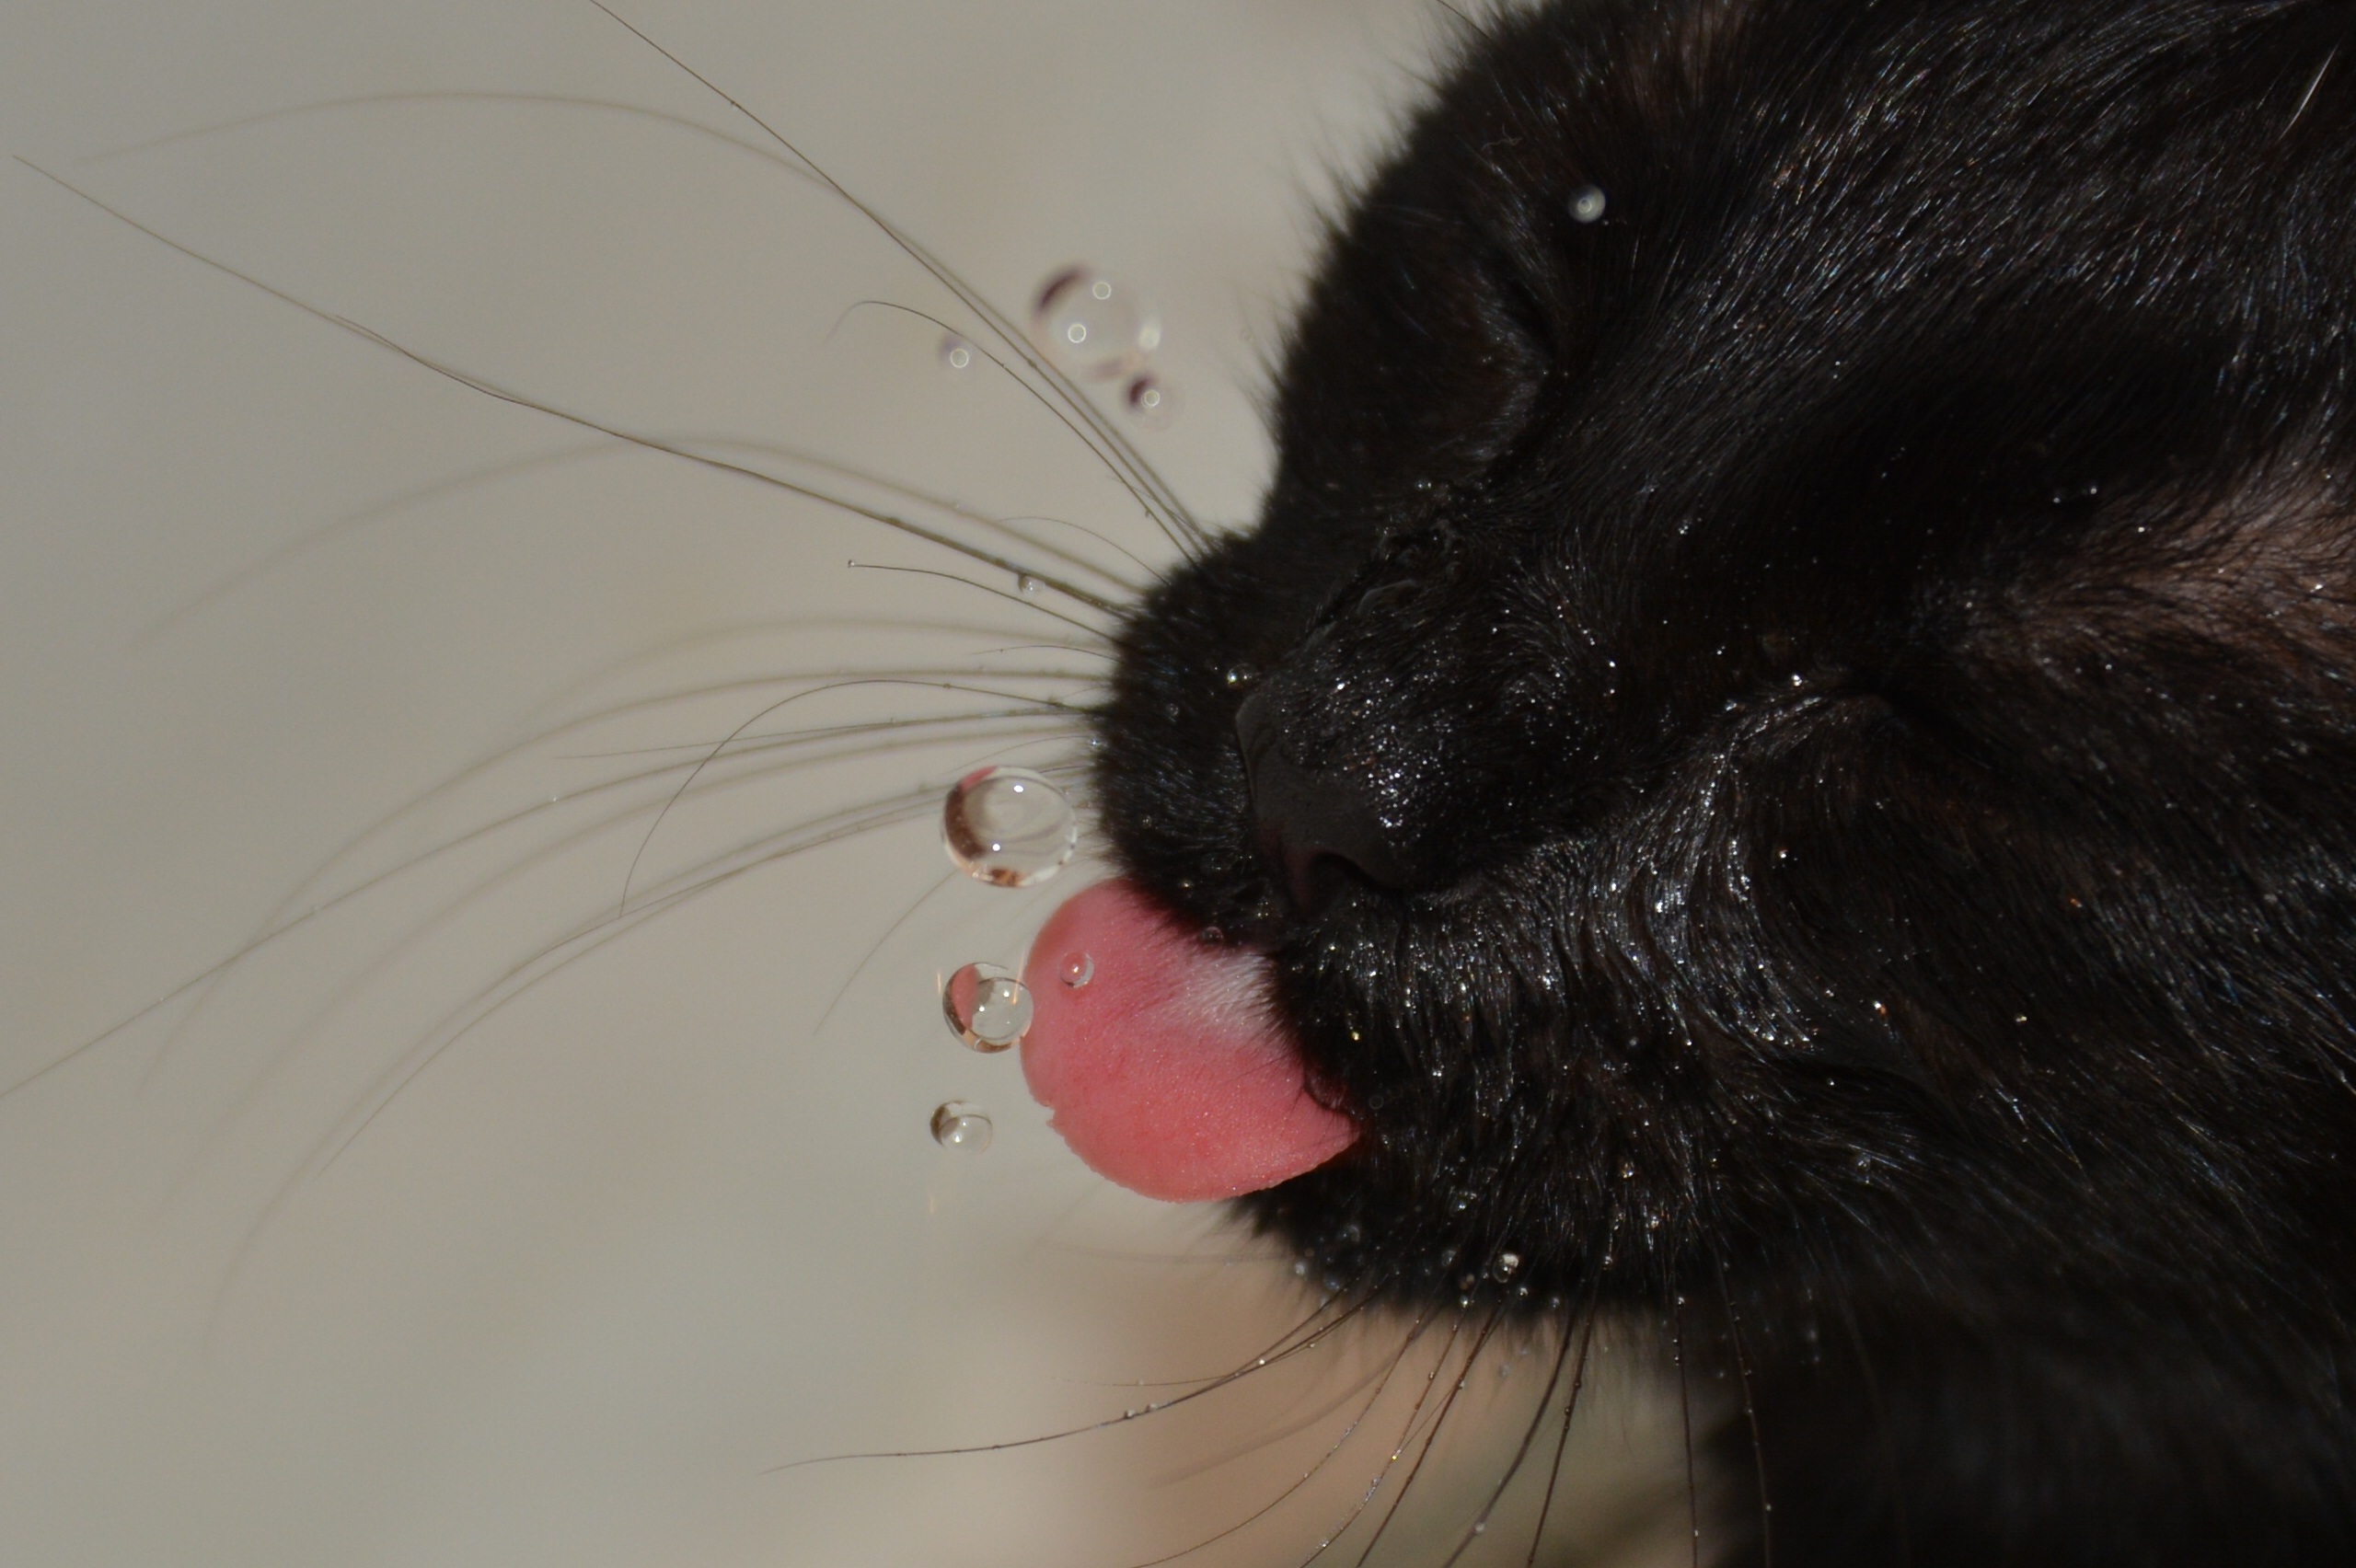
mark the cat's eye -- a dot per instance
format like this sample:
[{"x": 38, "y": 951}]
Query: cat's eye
[{"x": 1516, "y": 305}]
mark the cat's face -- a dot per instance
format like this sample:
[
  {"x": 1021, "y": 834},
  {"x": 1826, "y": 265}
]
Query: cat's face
[
  {"x": 609, "y": 1260},
  {"x": 1796, "y": 620}
]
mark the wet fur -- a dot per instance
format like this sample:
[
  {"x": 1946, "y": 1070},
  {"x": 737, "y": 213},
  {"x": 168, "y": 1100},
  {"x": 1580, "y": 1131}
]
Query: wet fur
[{"x": 1853, "y": 652}]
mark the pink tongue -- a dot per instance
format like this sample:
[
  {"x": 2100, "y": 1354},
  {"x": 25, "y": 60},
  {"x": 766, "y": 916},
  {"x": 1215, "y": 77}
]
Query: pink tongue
[{"x": 1166, "y": 1071}]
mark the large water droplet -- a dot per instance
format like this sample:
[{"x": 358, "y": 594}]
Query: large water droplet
[
  {"x": 956, "y": 1125},
  {"x": 1089, "y": 326},
  {"x": 1077, "y": 969},
  {"x": 1008, "y": 826},
  {"x": 986, "y": 1007}
]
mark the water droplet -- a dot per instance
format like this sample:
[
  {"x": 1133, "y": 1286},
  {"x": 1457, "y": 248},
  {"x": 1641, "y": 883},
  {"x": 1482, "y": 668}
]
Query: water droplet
[
  {"x": 1008, "y": 826},
  {"x": 955, "y": 352},
  {"x": 956, "y": 1125},
  {"x": 1089, "y": 326},
  {"x": 986, "y": 1007},
  {"x": 1242, "y": 675},
  {"x": 1077, "y": 969},
  {"x": 1587, "y": 203},
  {"x": 1027, "y": 586},
  {"x": 1506, "y": 1264},
  {"x": 1152, "y": 402}
]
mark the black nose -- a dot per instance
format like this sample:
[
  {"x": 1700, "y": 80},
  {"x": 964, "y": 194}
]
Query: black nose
[{"x": 1317, "y": 829}]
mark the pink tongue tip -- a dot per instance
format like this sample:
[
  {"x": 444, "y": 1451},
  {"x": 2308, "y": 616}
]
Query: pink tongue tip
[{"x": 1167, "y": 1070}]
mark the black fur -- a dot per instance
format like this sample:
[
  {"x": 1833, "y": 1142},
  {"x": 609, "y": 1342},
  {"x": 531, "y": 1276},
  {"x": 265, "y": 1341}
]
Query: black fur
[{"x": 1849, "y": 658}]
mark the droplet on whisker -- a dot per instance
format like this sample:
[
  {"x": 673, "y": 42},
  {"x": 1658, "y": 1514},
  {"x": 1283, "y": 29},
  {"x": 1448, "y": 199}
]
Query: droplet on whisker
[
  {"x": 956, "y": 1125},
  {"x": 1089, "y": 326},
  {"x": 1152, "y": 403},
  {"x": 1008, "y": 826},
  {"x": 986, "y": 1007}
]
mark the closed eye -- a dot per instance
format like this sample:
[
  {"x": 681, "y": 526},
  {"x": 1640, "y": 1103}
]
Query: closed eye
[{"x": 1515, "y": 308}]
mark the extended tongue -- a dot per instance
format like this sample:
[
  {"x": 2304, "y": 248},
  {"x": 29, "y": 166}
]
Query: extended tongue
[{"x": 1167, "y": 1070}]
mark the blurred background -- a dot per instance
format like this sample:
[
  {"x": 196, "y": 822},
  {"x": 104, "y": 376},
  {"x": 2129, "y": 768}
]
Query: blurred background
[{"x": 416, "y": 1235}]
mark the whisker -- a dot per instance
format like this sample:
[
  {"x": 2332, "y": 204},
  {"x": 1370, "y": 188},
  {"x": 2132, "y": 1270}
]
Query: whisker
[
  {"x": 795, "y": 164},
  {"x": 1431, "y": 1437},
  {"x": 1407, "y": 1436},
  {"x": 1381, "y": 1378},
  {"x": 696, "y": 772},
  {"x": 351, "y": 521},
  {"x": 1529, "y": 1437},
  {"x": 761, "y": 741},
  {"x": 1106, "y": 654},
  {"x": 1874, "y": 1404},
  {"x": 1685, "y": 1415},
  {"x": 862, "y": 820},
  {"x": 1003, "y": 527},
  {"x": 1151, "y": 572},
  {"x": 999, "y": 593},
  {"x": 1119, "y": 455},
  {"x": 1005, "y": 331},
  {"x": 387, "y": 958},
  {"x": 869, "y": 957},
  {"x": 1225, "y": 1381},
  {"x": 276, "y": 924},
  {"x": 1563, "y": 1437},
  {"x": 743, "y": 630},
  {"x": 451, "y": 94},
  {"x": 633, "y": 438},
  {"x": 1751, "y": 1415},
  {"x": 526, "y": 974}
]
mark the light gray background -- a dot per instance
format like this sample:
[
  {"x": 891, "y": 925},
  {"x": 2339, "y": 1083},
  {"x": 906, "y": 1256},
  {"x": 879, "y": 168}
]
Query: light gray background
[{"x": 650, "y": 1231}]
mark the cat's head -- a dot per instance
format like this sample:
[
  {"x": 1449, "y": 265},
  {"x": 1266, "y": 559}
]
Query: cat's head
[{"x": 1790, "y": 693}]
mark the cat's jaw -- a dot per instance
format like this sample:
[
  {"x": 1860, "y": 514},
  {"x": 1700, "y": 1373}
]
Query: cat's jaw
[{"x": 1167, "y": 1068}]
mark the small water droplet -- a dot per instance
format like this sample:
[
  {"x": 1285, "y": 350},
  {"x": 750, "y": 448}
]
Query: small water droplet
[
  {"x": 956, "y": 1125},
  {"x": 1077, "y": 969},
  {"x": 1089, "y": 326},
  {"x": 1506, "y": 1264},
  {"x": 1587, "y": 203},
  {"x": 1008, "y": 826},
  {"x": 955, "y": 352},
  {"x": 1027, "y": 586},
  {"x": 1242, "y": 675},
  {"x": 986, "y": 1007},
  {"x": 1153, "y": 403}
]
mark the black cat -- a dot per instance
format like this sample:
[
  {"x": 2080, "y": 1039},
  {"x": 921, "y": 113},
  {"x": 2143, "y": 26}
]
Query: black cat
[{"x": 1787, "y": 731}]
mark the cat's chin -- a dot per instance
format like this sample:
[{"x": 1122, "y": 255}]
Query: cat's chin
[{"x": 1165, "y": 1067}]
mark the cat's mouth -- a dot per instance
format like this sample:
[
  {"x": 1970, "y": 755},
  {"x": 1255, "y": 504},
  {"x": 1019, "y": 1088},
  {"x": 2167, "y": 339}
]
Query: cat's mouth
[{"x": 1161, "y": 1058}]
